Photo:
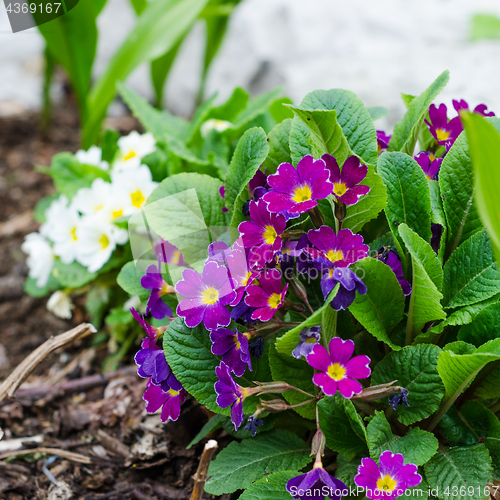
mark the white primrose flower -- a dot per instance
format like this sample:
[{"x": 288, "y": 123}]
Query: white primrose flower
[
  {"x": 91, "y": 200},
  {"x": 93, "y": 156},
  {"x": 97, "y": 240},
  {"x": 61, "y": 224},
  {"x": 136, "y": 184},
  {"x": 214, "y": 124},
  {"x": 132, "y": 149},
  {"x": 60, "y": 305},
  {"x": 40, "y": 259}
]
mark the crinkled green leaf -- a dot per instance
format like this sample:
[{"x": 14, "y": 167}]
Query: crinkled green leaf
[
  {"x": 295, "y": 372},
  {"x": 343, "y": 428},
  {"x": 72, "y": 275},
  {"x": 485, "y": 327},
  {"x": 471, "y": 273},
  {"x": 418, "y": 446},
  {"x": 377, "y": 314},
  {"x": 461, "y": 467},
  {"x": 456, "y": 182},
  {"x": 405, "y": 133},
  {"x": 228, "y": 111},
  {"x": 271, "y": 487},
  {"x": 279, "y": 146},
  {"x": 415, "y": 368},
  {"x": 130, "y": 280},
  {"x": 352, "y": 116},
  {"x": 240, "y": 464},
  {"x": 250, "y": 153},
  {"x": 408, "y": 195},
  {"x": 299, "y": 140},
  {"x": 32, "y": 289}
]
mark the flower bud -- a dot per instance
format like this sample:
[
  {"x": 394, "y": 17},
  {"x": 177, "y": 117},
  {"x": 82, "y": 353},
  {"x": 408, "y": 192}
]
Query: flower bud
[
  {"x": 274, "y": 406},
  {"x": 318, "y": 443},
  {"x": 378, "y": 391}
]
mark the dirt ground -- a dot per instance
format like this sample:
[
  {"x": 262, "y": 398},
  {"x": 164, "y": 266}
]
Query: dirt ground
[{"x": 106, "y": 446}]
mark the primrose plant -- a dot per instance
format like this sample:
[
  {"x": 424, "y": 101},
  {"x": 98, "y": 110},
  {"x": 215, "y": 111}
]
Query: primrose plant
[{"x": 343, "y": 325}]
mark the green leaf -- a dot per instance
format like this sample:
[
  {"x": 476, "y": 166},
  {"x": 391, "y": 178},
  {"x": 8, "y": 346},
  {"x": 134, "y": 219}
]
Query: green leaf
[
  {"x": 457, "y": 468},
  {"x": 279, "y": 112},
  {"x": 72, "y": 275},
  {"x": 271, "y": 487},
  {"x": 325, "y": 133},
  {"x": 69, "y": 175},
  {"x": 352, "y": 116},
  {"x": 288, "y": 342},
  {"x": 161, "y": 124},
  {"x": 427, "y": 274},
  {"x": 250, "y": 153},
  {"x": 489, "y": 388},
  {"x": 188, "y": 353},
  {"x": 405, "y": 133},
  {"x": 159, "y": 28},
  {"x": 232, "y": 107},
  {"x": 130, "y": 280},
  {"x": 438, "y": 215},
  {"x": 415, "y": 368},
  {"x": 473, "y": 422},
  {"x": 484, "y": 143},
  {"x": 72, "y": 40},
  {"x": 485, "y": 326},
  {"x": 408, "y": 195},
  {"x": 186, "y": 210},
  {"x": 377, "y": 314},
  {"x": 377, "y": 112},
  {"x": 456, "y": 182},
  {"x": 343, "y": 428},
  {"x": 484, "y": 26},
  {"x": 279, "y": 146},
  {"x": 212, "y": 425},
  {"x": 298, "y": 373},
  {"x": 32, "y": 289},
  {"x": 299, "y": 140},
  {"x": 458, "y": 370},
  {"x": 369, "y": 205},
  {"x": 240, "y": 464},
  {"x": 418, "y": 446},
  {"x": 471, "y": 274},
  {"x": 346, "y": 471}
]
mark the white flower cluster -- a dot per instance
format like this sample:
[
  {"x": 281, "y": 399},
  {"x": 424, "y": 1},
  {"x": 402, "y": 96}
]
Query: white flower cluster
[{"x": 83, "y": 229}]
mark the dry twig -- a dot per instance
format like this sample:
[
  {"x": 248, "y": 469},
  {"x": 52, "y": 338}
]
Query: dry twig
[
  {"x": 70, "y": 455},
  {"x": 200, "y": 477},
  {"x": 21, "y": 372}
]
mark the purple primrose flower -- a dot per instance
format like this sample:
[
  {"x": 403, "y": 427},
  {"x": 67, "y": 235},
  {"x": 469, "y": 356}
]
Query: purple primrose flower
[
  {"x": 169, "y": 253},
  {"x": 429, "y": 164},
  {"x": 206, "y": 296},
  {"x": 342, "y": 249},
  {"x": 262, "y": 233},
  {"x": 169, "y": 400},
  {"x": 391, "y": 258},
  {"x": 382, "y": 141},
  {"x": 153, "y": 280},
  {"x": 309, "y": 337},
  {"x": 388, "y": 480},
  {"x": 346, "y": 186},
  {"x": 268, "y": 297},
  {"x": 350, "y": 283},
  {"x": 233, "y": 347},
  {"x": 314, "y": 485},
  {"x": 480, "y": 109},
  {"x": 442, "y": 130},
  {"x": 229, "y": 393},
  {"x": 337, "y": 369},
  {"x": 436, "y": 233},
  {"x": 296, "y": 190},
  {"x": 240, "y": 274}
]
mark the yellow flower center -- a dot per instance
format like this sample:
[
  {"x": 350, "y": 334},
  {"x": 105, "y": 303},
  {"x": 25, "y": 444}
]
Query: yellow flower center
[
  {"x": 238, "y": 345},
  {"x": 176, "y": 257},
  {"x": 274, "y": 300},
  {"x": 104, "y": 241},
  {"x": 336, "y": 371},
  {"x": 270, "y": 235},
  {"x": 302, "y": 193},
  {"x": 98, "y": 207},
  {"x": 73, "y": 234},
  {"x": 244, "y": 281},
  {"x": 334, "y": 255},
  {"x": 117, "y": 213},
  {"x": 210, "y": 295},
  {"x": 386, "y": 483},
  {"x": 173, "y": 393},
  {"x": 137, "y": 198},
  {"x": 428, "y": 177},
  {"x": 130, "y": 155},
  {"x": 339, "y": 188},
  {"x": 310, "y": 340},
  {"x": 432, "y": 156},
  {"x": 442, "y": 135}
]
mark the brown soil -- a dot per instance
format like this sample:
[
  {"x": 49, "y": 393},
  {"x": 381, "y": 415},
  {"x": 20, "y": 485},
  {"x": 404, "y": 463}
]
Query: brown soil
[{"x": 132, "y": 455}]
